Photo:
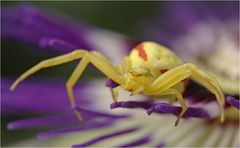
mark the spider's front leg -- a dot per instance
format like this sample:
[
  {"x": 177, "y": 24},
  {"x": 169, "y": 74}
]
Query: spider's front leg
[
  {"x": 98, "y": 60},
  {"x": 77, "y": 54},
  {"x": 170, "y": 78},
  {"x": 115, "y": 93},
  {"x": 49, "y": 63}
]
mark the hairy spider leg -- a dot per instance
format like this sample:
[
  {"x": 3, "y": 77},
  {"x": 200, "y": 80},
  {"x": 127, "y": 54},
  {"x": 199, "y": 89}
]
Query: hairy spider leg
[
  {"x": 177, "y": 74},
  {"x": 98, "y": 60}
]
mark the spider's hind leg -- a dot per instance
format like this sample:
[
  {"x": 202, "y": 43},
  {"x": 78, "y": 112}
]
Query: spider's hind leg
[
  {"x": 96, "y": 58},
  {"x": 178, "y": 74}
]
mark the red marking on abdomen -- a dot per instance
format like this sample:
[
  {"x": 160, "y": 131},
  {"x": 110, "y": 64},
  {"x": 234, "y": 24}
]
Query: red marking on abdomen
[
  {"x": 163, "y": 70},
  {"x": 141, "y": 52},
  {"x": 185, "y": 82}
]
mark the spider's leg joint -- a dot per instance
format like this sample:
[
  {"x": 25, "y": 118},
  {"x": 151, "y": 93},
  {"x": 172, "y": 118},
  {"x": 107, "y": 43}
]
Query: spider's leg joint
[
  {"x": 184, "y": 109},
  {"x": 74, "y": 107}
]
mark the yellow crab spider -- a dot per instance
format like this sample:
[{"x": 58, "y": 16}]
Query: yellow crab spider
[{"x": 150, "y": 69}]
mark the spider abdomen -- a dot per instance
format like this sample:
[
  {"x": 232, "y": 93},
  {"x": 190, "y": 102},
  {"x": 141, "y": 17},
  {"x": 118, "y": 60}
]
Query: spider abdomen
[{"x": 153, "y": 57}]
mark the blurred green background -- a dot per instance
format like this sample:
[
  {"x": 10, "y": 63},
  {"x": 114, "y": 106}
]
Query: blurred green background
[{"x": 122, "y": 17}]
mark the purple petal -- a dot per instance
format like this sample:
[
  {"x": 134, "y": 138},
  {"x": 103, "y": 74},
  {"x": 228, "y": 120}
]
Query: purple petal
[
  {"x": 42, "y": 122},
  {"x": 40, "y": 96},
  {"x": 191, "y": 111},
  {"x": 28, "y": 24},
  {"x": 234, "y": 102},
  {"x": 29, "y": 20},
  {"x": 138, "y": 142},
  {"x": 21, "y": 33},
  {"x": 110, "y": 83},
  {"x": 85, "y": 126},
  {"x": 231, "y": 9},
  {"x": 106, "y": 136},
  {"x": 186, "y": 18},
  {"x": 56, "y": 44},
  {"x": 69, "y": 118},
  {"x": 187, "y": 15}
]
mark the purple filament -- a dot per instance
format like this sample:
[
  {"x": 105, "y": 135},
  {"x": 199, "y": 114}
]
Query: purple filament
[
  {"x": 191, "y": 111},
  {"x": 161, "y": 108},
  {"x": 85, "y": 126},
  {"x": 106, "y": 136},
  {"x": 110, "y": 83},
  {"x": 131, "y": 104},
  {"x": 234, "y": 102},
  {"x": 138, "y": 142},
  {"x": 160, "y": 145}
]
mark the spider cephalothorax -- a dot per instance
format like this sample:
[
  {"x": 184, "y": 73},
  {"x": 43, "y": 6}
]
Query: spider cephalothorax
[{"x": 150, "y": 69}]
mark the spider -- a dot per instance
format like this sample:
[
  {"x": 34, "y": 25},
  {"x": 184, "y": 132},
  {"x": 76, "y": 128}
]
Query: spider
[{"x": 150, "y": 69}]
